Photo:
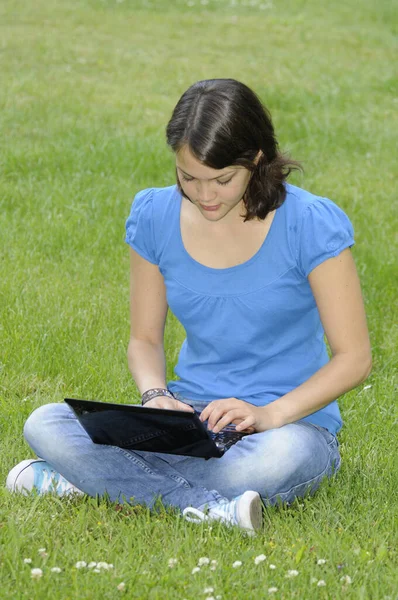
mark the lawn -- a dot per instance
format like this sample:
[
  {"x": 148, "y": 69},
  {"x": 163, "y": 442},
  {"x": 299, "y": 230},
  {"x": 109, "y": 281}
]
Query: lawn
[{"x": 87, "y": 87}]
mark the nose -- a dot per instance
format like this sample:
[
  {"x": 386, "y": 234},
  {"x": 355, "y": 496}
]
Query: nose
[{"x": 206, "y": 193}]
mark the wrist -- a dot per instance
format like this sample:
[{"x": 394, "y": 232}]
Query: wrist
[
  {"x": 154, "y": 393},
  {"x": 271, "y": 416}
]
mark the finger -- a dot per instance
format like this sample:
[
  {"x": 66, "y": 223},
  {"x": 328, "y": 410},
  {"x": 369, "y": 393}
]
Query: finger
[
  {"x": 224, "y": 420},
  {"x": 214, "y": 417},
  {"x": 246, "y": 424},
  {"x": 206, "y": 412}
]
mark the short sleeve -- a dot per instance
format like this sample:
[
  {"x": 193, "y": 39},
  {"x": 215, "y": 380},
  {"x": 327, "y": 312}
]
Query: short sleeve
[
  {"x": 139, "y": 226},
  {"x": 325, "y": 232}
]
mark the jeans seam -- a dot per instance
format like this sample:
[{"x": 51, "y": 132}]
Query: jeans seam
[
  {"x": 134, "y": 459},
  {"x": 177, "y": 478}
]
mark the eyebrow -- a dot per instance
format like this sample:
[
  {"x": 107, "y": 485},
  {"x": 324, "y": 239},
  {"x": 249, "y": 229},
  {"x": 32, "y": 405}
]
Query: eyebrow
[{"x": 212, "y": 178}]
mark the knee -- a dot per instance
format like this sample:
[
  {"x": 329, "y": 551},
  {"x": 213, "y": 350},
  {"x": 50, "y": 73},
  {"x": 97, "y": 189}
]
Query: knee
[
  {"x": 41, "y": 420},
  {"x": 296, "y": 448},
  {"x": 301, "y": 458}
]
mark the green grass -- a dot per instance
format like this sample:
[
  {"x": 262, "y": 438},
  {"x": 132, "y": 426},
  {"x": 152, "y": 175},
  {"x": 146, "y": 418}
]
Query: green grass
[{"x": 87, "y": 89}]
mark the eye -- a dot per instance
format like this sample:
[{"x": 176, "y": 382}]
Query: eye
[
  {"x": 186, "y": 178},
  {"x": 224, "y": 182}
]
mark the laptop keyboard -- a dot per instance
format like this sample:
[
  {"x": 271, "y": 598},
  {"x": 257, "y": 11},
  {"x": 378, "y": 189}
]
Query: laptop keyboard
[{"x": 227, "y": 437}]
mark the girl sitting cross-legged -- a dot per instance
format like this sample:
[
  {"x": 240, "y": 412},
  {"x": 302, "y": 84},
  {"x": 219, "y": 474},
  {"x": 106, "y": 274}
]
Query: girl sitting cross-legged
[{"x": 256, "y": 270}]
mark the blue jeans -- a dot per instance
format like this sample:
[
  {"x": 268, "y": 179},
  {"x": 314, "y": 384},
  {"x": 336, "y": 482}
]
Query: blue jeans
[{"x": 281, "y": 464}]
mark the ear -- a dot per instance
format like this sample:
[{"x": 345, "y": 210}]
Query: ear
[{"x": 259, "y": 155}]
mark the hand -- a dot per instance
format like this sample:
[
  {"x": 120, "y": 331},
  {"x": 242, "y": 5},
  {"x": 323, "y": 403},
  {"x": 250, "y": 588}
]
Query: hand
[
  {"x": 246, "y": 417},
  {"x": 167, "y": 402}
]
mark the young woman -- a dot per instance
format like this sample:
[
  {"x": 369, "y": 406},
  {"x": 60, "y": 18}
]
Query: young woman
[{"x": 256, "y": 270}]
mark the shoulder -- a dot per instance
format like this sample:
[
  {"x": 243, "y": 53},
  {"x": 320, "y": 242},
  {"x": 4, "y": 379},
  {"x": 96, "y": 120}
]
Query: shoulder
[
  {"x": 149, "y": 218},
  {"x": 300, "y": 201},
  {"x": 152, "y": 203},
  {"x": 156, "y": 195},
  {"x": 322, "y": 229},
  {"x": 310, "y": 210}
]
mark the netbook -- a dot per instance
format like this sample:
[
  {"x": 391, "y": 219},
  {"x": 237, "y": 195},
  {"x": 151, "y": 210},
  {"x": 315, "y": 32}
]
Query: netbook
[{"x": 136, "y": 427}]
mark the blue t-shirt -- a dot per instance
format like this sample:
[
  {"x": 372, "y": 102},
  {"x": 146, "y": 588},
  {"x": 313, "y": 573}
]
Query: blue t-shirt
[{"x": 253, "y": 331}]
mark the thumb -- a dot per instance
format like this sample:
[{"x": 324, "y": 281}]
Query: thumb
[{"x": 245, "y": 426}]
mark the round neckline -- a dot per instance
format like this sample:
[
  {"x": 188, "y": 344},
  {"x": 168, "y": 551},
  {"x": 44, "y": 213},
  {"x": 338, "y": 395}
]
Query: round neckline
[{"x": 234, "y": 267}]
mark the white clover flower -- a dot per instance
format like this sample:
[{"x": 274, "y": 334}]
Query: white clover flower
[
  {"x": 272, "y": 590},
  {"x": 36, "y": 573},
  {"x": 313, "y": 580},
  {"x": 210, "y": 598},
  {"x": 321, "y": 583},
  {"x": 121, "y": 587},
  {"x": 56, "y": 570},
  {"x": 80, "y": 564},
  {"x": 321, "y": 561},
  {"x": 91, "y": 565},
  {"x": 208, "y": 590},
  {"x": 195, "y": 570},
  {"x": 104, "y": 565},
  {"x": 218, "y": 597},
  {"x": 346, "y": 579},
  {"x": 237, "y": 563},
  {"x": 172, "y": 562},
  {"x": 40, "y": 550},
  {"x": 27, "y": 561},
  {"x": 96, "y": 571},
  {"x": 272, "y": 566},
  {"x": 259, "y": 559},
  {"x": 203, "y": 560},
  {"x": 292, "y": 573},
  {"x": 213, "y": 565}
]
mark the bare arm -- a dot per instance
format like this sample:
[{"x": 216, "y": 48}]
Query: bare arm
[
  {"x": 336, "y": 288},
  {"x": 148, "y": 312},
  {"x": 337, "y": 292}
]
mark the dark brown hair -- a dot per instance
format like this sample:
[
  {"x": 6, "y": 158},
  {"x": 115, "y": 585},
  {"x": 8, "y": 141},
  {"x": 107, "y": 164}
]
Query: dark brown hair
[{"x": 224, "y": 123}]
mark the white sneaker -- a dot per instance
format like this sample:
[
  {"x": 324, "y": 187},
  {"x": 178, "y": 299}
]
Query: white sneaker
[
  {"x": 38, "y": 474},
  {"x": 244, "y": 511}
]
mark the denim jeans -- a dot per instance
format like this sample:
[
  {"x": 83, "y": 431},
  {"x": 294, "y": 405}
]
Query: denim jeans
[{"x": 281, "y": 464}]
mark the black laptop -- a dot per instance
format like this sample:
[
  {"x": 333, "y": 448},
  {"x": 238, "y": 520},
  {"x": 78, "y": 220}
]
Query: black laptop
[{"x": 136, "y": 427}]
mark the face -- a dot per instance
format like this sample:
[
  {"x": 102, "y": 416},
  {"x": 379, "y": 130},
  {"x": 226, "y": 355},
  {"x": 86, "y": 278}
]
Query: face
[{"x": 207, "y": 187}]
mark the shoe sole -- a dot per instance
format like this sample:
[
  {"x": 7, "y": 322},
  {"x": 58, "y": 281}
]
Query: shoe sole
[{"x": 250, "y": 512}]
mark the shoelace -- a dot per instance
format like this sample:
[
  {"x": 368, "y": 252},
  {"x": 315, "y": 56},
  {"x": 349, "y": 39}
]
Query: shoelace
[
  {"x": 198, "y": 517},
  {"x": 224, "y": 511},
  {"x": 49, "y": 481},
  {"x": 55, "y": 482}
]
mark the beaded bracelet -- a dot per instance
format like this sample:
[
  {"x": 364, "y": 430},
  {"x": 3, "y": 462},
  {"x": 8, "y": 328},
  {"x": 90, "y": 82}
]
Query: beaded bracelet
[{"x": 153, "y": 393}]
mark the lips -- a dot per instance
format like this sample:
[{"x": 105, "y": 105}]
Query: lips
[{"x": 215, "y": 207}]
